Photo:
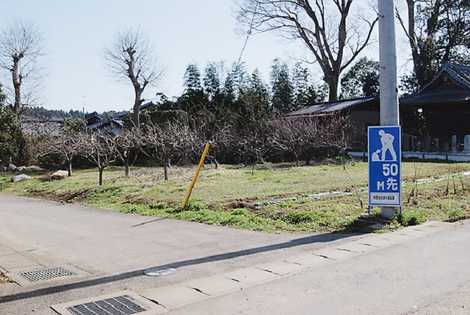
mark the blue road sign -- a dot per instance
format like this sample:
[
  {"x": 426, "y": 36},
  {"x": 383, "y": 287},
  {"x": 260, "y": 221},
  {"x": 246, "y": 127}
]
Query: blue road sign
[{"x": 385, "y": 166}]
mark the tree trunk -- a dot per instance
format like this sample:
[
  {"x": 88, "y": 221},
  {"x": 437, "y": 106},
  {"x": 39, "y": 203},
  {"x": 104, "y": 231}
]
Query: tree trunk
[
  {"x": 216, "y": 163},
  {"x": 69, "y": 168},
  {"x": 16, "y": 78},
  {"x": 126, "y": 166},
  {"x": 333, "y": 82},
  {"x": 136, "y": 108},
  {"x": 100, "y": 170},
  {"x": 166, "y": 165}
]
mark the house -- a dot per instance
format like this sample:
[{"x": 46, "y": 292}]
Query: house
[
  {"x": 96, "y": 122},
  {"x": 435, "y": 119}
]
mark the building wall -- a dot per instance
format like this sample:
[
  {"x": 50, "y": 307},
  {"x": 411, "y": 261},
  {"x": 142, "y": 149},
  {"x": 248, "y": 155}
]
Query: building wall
[{"x": 359, "y": 121}]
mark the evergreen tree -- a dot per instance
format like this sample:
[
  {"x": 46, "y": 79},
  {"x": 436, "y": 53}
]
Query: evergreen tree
[
  {"x": 229, "y": 91},
  {"x": 12, "y": 142},
  {"x": 2, "y": 96},
  {"x": 234, "y": 87},
  {"x": 305, "y": 93},
  {"x": 239, "y": 77},
  {"x": 255, "y": 98},
  {"x": 211, "y": 82},
  {"x": 192, "y": 80},
  {"x": 282, "y": 90},
  {"x": 213, "y": 88},
  {"x": 361, "y": 80},
  {"x": 193, "y": 98}
]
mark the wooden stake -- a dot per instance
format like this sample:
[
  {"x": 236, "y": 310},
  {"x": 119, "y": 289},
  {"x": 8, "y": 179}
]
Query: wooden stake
[{"x": 196, "y": 175}]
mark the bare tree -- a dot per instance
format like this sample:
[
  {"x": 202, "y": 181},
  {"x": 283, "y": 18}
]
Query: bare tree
[
  {"x": 303, "y": 138},
  {"x": 66, "y": 145},
  {"x": 172, "y": 142},
  {"x": 131, "y": 58},
  {"x": 128, "y": 143},
  {"x": 99, "y": 149},
  {"x": 323, "y": 26},
  {"x": 20, "y": 47},
  {"x": 66, "y": 142}
]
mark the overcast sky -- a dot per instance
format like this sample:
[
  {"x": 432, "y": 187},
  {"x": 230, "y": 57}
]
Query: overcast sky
[{"x": 182, "y": 31}]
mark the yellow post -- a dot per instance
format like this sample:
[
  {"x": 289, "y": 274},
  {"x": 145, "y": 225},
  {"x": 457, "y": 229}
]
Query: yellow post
[{"x": 196, "y": 175}]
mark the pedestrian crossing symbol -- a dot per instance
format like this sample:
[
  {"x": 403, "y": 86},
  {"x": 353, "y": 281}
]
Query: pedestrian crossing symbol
[{"x": 384, "y": 166}]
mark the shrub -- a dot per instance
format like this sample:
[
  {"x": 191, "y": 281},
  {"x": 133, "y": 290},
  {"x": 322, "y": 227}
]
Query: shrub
[
  {"x": 12, "y": 141},
  {"x": 299, "y": 217},
  {"x": 412, "y": 217}
]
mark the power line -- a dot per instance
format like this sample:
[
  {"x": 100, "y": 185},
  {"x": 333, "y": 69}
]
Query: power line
[{"x": 249, "y": 33}]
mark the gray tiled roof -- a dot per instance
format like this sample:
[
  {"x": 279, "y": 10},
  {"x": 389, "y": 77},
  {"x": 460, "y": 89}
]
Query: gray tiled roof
[{"x": 460, "y": 74}]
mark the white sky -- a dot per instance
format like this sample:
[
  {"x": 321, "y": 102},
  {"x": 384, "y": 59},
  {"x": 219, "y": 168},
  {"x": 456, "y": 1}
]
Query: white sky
[{"x": 182, "y": 31}]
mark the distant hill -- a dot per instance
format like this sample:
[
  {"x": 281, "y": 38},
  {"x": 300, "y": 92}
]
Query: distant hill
[{"x": 42, "y": 113}]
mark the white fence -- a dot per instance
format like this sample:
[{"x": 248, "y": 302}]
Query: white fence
[{"x": 430, "y": 156}]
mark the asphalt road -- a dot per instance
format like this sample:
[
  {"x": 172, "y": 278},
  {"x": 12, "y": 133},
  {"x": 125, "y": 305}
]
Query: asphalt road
[
  {"x": 418, "y": 270},
  {"x": 109, "y": 251}
]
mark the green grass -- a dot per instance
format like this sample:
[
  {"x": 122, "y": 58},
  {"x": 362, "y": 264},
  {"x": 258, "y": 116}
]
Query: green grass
[{"x": 273, "y": 198}]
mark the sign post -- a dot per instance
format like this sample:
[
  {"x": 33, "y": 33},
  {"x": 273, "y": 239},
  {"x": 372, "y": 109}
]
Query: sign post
[{"x": 385, "y": 167}]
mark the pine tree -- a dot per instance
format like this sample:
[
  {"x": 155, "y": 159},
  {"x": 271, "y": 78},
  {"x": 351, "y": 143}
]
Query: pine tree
[
  {"x": 235, "y": 85},
  {"x": 192, "y": 79},
  {"x": 239, "y": 77},
  {"x": 211, "y": 82},
  {"x": 282, "y": 90},
  {"x": 193, "y": 98},
  {"x": 229, "y": 91},
  {"x": 213, "y": 87},
  {"x": 255, "y": 98}
]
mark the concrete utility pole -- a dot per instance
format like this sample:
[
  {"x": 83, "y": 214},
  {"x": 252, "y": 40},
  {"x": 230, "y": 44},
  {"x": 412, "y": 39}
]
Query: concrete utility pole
[{"x": 389, "y": 110}]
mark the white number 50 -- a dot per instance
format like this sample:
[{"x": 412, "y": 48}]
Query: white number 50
[{"x": 390, "y": 169}]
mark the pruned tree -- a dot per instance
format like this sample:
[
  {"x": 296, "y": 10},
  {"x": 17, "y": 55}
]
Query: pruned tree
[
  {"x": 169, "y": 143},
  {"x": 249, "y": 145},
  {"x": 99, "y": 149},
  {"x": 254, "y": 143},
  {"x": 20, "y": 47},
  {"x": 303, "y": 138},
  {"x": 438, "y": 31},
  {"x": 323, "y": 26},
  {"x": 128, "y": 143},
  {"x": 131, "y": 57},
  {"x": 65, "y": 145}
]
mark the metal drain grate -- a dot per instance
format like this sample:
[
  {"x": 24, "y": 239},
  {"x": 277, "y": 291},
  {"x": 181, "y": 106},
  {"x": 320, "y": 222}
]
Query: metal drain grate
[
  {"x": 47, "y": 274},
  {"x": 121, "y": 305}
]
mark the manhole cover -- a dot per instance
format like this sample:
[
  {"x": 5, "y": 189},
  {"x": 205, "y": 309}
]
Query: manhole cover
[
  {"x": 120, "y": 305},
  {"x": 47, "y": 274}
]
